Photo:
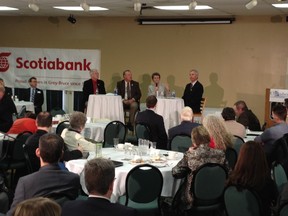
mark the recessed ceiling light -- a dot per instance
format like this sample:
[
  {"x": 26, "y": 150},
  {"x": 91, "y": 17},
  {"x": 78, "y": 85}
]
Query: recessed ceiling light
[
  {"x": 183, "y": 7},
  {"x": 78, "y": 8},
  {"x": 280, "y": 5},
  {"x": 5, "y": 8}
]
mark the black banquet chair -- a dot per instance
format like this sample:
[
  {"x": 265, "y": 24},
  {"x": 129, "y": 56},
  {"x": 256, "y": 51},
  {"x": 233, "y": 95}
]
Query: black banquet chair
[
  {"x": 143, "y": 190},
  {"x": 114, "y": 129},
  {"x": 180, "y": 143},
  {"x": 61, "y": 126},
  {"x": 142, "y": 131}
]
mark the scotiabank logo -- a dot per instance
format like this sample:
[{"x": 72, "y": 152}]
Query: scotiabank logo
[
  {"x": 4, "y": 64},
  {"x": 57, "y": 64}
]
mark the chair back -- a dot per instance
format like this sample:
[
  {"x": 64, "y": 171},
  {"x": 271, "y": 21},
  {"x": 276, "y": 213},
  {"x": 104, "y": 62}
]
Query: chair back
[
  {"x": 22, "y": 112},
  {"x": 181, "y": 143},
  {"x": 279, "y": 176},
  {"x": 17, "y": 152},
  {"x": 237, "y": 143},
  {"x": 114, "y": 129},
  {"x": 231, "y": 157},
  {"x": 279, "y": 153},
  {"x": 284, "y": 210},
  {"x": 142, "y": 131},
  {"x": 204, "y": 192},
  {"x": 143, "y": 184},
  {"x": 61, "y": 126},
  {"x": 202, "y": 108},
  {"x": 242, "y": 202},
  {"x": 27, "y": 159}
]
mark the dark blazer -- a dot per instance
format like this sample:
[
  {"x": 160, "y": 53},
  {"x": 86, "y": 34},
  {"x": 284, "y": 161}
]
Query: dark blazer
[
  {"x": 88, "y": 89},
  {"x": 135, "y": 90},
  {"x": 192, "y": 98},
  {"x": 250, "y": 120},
  {"x": 156, "y": 125},
  {"x": 8, "y": 91},
  {"x": 49, "y": 180},
  {"x": 7, "y": 108},
  {"x": 96, "y": 206},
  {"x": 38, "y": 99},
  {"x": 184, "y": 128}
]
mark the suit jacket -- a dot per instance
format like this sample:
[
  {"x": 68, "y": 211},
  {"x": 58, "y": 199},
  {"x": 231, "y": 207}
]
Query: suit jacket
[
  {"x": 38, "y": 99},
  {"x": 7, "y": 108},
  {"x": 156, "y": 125},
  {"x": 184, "y": 128},
  {"x": 250, "y": 120},
  {"x": 192, "y": 98},
  {"x": 8, "y": 91},
  {"x": 135, "y": 90},
  {"x": 96, "y": 206},
  {"x": 88, "y": 89},
  {"x": 48, "y": 181}
]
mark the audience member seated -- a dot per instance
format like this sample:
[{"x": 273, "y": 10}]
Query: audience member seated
[
  {"x": 220, "y": 137},
  {"x": 270, "y": 135},
  {"x": 44, "y": 124},
  {"x": 131, "y": 94},
  {"x": 72, "y": 136},
  {"x": 154, "y": 121},
  {"x": 232, "y": 126},
  {"x": 7, "y": 108},
  {"x": 198, "y": 154},
  {"x": 37, "y": 206},
  {"x": 246, "y": 117},
  {"x": 157, "y": 88},
  {"x": 251, "y": 171},
  {"x": 8, "y": 90},
  {"x": 99, "y": 181},
  {"x": 27, "y": 123},
  {"x": 50, "y": 180},
  {"x": 185, "y": 126}
]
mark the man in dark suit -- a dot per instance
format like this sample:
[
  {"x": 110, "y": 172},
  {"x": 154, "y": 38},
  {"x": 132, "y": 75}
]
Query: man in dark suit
[
  {"x": 193, "y": 92},
  {"x": 131, "y": 94},
  {"x": 50, "y": 180},
  {"x": 155, "y": 122},
  {"x": 186, "y": 126},
  {"x": 99, "y": 180},
  {"x": 8, "y": 90},
  {"x": 34, "y": 95},
  {"x": 92, "y": 86}
]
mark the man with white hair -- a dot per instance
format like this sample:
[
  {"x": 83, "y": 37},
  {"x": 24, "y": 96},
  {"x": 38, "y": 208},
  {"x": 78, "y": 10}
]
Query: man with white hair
[
  {"x": 186, "y": 125},
  {"x": 92, "y": 86}
]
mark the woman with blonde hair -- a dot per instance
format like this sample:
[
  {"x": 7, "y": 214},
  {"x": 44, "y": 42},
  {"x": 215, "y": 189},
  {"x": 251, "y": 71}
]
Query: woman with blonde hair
[
  {"x": 37, "y": 206},
  {"x": 220, "y": 137}
]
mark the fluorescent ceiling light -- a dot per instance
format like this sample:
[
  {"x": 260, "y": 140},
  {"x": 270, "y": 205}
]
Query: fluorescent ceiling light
[
  {"x": 78, "y": 8},
  {"x": 5, "y": 8},
  {"x": 280, "y": 5},
  {"x": 183, "y": 7},
  {"x": 186, "y": 21}
]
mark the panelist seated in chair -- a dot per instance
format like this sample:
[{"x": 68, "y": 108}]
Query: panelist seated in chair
[
  {"x": 72, "y": 135},
  {"x": 131, "y": 94},
  {"x": 154, "y": 121},
  {"x": 99, "y": 181},
  {"x": 252, "y": 171},
  {"x": 92, "y": 86},
  {"x": 185, "y": 126},
  {"x": 198, "y": 154},
  {"x": 50, "y": 180},
  {"x": 157, "y": 88}
]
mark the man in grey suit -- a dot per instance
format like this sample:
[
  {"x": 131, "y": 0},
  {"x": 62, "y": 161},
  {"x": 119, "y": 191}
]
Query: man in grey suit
[
  {"x": 50, "y": 181},
  {"x": 99, "y": 180}
]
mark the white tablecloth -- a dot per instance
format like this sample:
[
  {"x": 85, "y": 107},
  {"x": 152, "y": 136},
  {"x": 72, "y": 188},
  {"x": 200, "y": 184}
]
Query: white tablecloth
[
  {"x": 170, "y": 109},
  {"x": 250, "y": 135},
  {"x": 29, "y": 105},
  {"x": 105, "y": 106},
  {"x": 170, "y": 185},
  {"x": 93, "y": 131}
]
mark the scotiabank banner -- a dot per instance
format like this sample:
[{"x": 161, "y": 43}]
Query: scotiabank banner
[{"x": 55, "y": 69}]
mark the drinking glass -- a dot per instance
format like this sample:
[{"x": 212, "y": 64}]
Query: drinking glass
[{"x": 115, "y": 142}]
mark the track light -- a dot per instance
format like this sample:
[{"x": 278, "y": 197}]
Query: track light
[
  {"x": 85, "y": 6},
  {"x": 192, "y": 5},
  {"x": 33, "y": 7},
  {"x": 137, "y": 6},
  {"x": 251, "y": 4},
  {"x": 72, "y": 19}
]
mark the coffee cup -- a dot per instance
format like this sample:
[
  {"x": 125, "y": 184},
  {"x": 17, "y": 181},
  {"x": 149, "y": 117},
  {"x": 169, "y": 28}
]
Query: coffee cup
[
  {"x": 120, "y": 146},
  {"x": 172, "y": 155}
]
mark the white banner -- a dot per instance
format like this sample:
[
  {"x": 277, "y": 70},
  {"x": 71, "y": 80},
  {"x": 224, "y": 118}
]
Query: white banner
[
  {"x": 278, "y": 95},
  {"x": 55, "y": 69}
]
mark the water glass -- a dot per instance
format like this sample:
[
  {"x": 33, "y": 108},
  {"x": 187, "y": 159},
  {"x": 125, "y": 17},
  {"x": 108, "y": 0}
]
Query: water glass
[{"x": 98, "y": 152}]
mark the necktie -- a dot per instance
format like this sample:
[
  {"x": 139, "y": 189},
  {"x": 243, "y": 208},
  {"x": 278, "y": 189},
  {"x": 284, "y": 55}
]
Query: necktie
[
  {"x": 33, "y": 95},
  {"x": 191, "y": 86},
  {"x": 128, "y": 90}
]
